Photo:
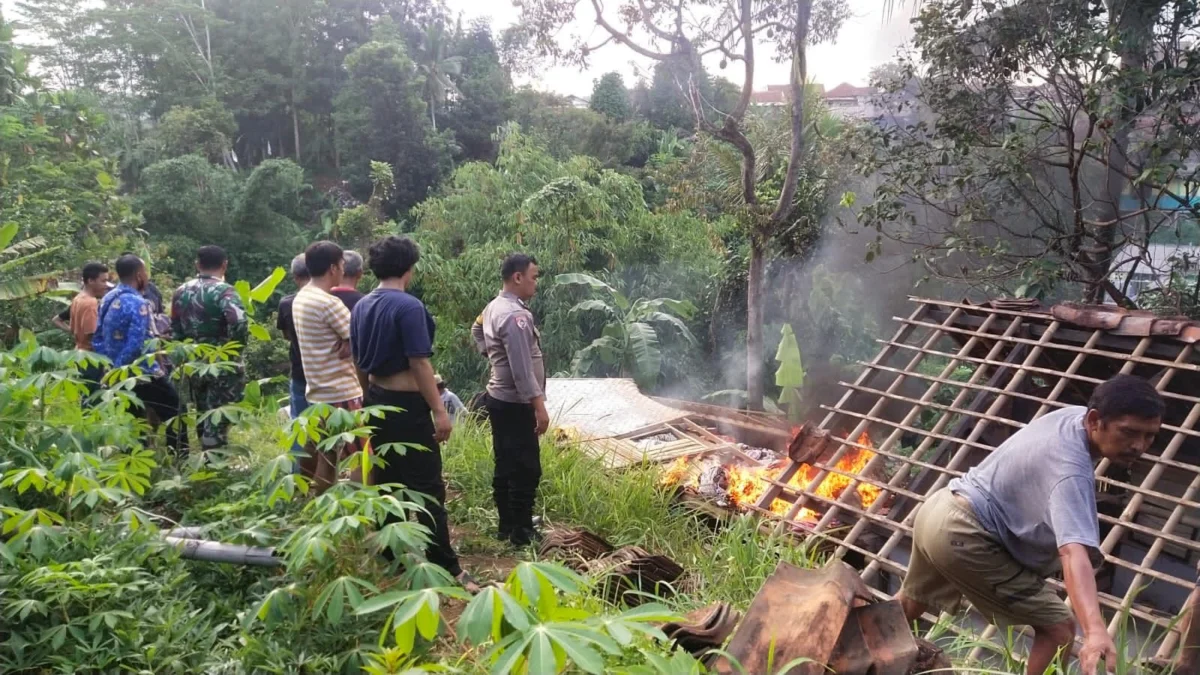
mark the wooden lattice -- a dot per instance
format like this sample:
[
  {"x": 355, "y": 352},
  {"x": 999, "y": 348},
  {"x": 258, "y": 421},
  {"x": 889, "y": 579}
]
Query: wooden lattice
[{"x": 956, "y": 380}]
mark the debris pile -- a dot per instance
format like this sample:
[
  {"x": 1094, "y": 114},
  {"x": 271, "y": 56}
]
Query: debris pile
[
  {"x": 631, "y": 573},
  {"x": 704, "y": 630},
  {"x": 628, "y": 574},
  {"x": 826, "y": 618},
  {"x": 573, "y": 547}
]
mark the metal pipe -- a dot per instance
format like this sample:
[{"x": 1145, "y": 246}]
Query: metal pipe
[
  {"x": 185, "y": 532},
  {"x": 215, "y": 551}
]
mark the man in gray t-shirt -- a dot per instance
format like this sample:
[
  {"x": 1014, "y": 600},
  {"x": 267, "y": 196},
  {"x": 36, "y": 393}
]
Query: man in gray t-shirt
[{"x": 1028, "y": 510}]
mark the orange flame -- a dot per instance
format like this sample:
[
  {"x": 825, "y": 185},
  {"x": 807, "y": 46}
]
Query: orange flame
[{"x": 748, "y": 483}]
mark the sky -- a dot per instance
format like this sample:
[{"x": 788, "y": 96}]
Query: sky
[{"x": 865, "y": 41}]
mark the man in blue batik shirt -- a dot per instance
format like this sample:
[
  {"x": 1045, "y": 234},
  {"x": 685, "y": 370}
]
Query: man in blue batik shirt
[{"x": 122, "y": 330}]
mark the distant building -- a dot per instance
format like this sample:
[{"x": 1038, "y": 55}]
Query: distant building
[
  {"x": 847, "y": 100},
  {"x": 1153, "y": 267},
  {"x": 576, "y": 101}
]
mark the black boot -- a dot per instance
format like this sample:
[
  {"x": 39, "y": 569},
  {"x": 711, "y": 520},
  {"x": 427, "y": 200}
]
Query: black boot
[
  {"x": 504, "y": 528},
  {"x": 524, "y": 532},
  {"x": 504, "y": 513}
]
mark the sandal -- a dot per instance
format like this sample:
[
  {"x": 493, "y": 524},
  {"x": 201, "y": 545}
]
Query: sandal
[{"x": 468, "y": 582}]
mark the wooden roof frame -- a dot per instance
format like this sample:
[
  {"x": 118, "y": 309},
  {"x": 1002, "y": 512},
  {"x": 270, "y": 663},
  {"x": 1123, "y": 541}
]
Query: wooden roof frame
[{"x": 1011, "y": 346}]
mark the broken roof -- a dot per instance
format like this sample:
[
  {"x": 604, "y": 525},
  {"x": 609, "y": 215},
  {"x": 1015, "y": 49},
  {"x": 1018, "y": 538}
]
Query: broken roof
[{"x": 957, "y": 379}]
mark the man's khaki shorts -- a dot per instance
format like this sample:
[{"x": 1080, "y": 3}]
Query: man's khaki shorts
[{"x": 954, "y": 557}]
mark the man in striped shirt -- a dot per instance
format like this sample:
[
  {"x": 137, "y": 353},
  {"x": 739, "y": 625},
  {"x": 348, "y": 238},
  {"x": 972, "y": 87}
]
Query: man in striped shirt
[{"x": 322, "y": 325}]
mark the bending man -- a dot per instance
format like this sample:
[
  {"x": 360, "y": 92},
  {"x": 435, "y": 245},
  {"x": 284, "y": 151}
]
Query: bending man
[{"x": 995, "y": 534}]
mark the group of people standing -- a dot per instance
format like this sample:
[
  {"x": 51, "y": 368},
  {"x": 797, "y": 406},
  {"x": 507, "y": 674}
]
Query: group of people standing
[
  {"x": 350, "y": 350},
  {"x": 347, "y": 350},
  {"x": 121, "y": 321}
]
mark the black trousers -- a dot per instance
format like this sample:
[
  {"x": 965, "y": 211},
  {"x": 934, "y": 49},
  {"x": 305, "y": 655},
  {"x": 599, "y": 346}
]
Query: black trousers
[
  {"x": 159, "y": 396},
  {"x": 518, "y": 463},
  {"x": 418, "y": 470}
]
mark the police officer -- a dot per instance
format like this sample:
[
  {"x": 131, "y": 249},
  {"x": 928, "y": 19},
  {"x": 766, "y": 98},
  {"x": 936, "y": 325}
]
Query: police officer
[{"x": 516, "y": 399}]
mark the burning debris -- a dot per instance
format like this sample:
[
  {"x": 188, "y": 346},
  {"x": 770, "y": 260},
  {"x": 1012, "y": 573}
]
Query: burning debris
[{"x": 733, "y": 481}]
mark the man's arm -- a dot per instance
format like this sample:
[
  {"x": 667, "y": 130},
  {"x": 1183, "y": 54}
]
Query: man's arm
[
  {"x": 477, "y": 336},
  {"x": 517, "y": 337},
  {"x": 422, "y": 369},
  {"x": 60, "y": 323},
  {"x": 1080, "y": 579},
  {"x": 234, "y": 313},
  {"x": 176, "y": 315}
]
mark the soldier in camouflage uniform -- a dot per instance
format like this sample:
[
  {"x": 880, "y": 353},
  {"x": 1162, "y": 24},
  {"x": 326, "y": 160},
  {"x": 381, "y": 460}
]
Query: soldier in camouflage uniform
[{"x": 208, "y": 310}]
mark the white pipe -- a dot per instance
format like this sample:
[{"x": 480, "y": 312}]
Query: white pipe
[{"x": 215, "y": 551}]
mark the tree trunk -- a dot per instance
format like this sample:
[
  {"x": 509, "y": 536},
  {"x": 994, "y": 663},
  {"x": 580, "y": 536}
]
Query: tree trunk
[
  {"x": 1135, "y": 24},
  {"x": 755, "y": 386},
  {"x": 295, "y": 126}
]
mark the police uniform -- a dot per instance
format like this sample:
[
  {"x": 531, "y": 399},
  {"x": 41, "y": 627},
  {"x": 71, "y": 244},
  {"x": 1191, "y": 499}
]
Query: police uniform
[{"x": 507, "y": 335}]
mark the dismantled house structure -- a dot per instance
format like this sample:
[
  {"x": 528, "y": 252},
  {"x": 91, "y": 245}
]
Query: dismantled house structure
[
  {"x": 951, "y": 385},
  {"x": 955, "y": 381}
]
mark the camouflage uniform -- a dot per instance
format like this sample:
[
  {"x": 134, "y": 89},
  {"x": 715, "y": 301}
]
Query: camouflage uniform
[{"x": 208, "y": 310}]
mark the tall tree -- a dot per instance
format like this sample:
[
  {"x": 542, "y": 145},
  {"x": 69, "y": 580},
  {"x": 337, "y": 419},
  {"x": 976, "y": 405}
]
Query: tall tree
[
  {"x": 1064, "y": 135},
  {"x": 485, "y": 100},
  {"x": 610, "y": 97},
  {"x": 380, "y": 116},
  {"x": 438, "y": 68},
  {"x": 669, "y": 31},
  {"x": 12, "y": 65}
]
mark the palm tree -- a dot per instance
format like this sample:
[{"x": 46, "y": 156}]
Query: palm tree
[
  {"x": 437, "y": 68},
  {"x": 629, "y": 342}
]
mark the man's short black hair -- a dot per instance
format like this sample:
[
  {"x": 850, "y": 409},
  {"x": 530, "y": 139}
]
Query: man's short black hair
[
  {"x": 514, "y": 263},
  {"x": 211, "y": 257},
  {"x": 392, "y": 257},
  {"x": 128, "y": 266},
  {"x": 93, "y": 270},
  {"x": 1127, "y": 396},
  {"x": 321, "y": 256}
]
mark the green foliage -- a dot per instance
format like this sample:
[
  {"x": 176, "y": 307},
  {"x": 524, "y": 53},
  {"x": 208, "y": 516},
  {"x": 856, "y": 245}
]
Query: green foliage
[
  {"x": 59, "y": 202},
  {"x": 207, "y": 131},
  {"x": 193, "y": 202},
  {"x": 485, "y": 99},
  {"x": 574, "y": 217},
  {"x": 629, "y": 343},
  {"x": 88, "y": 581},
  {"x": 610, "y": 97},
  {"x": 569, "y": 131},
  {"x": 13, "y": 66}
]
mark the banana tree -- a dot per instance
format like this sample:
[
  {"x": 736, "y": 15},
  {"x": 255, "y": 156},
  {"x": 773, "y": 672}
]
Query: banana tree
[
  {"x": 15, "y": 255},
  {"x": 252, "y": 297},
  {"x": 629, "y": 342}
]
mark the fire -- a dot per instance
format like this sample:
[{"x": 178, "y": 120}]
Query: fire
[{"x": 747, "y": 484}]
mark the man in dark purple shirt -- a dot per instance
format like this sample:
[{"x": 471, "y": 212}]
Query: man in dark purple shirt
[{"x": 391, "y": 335}]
